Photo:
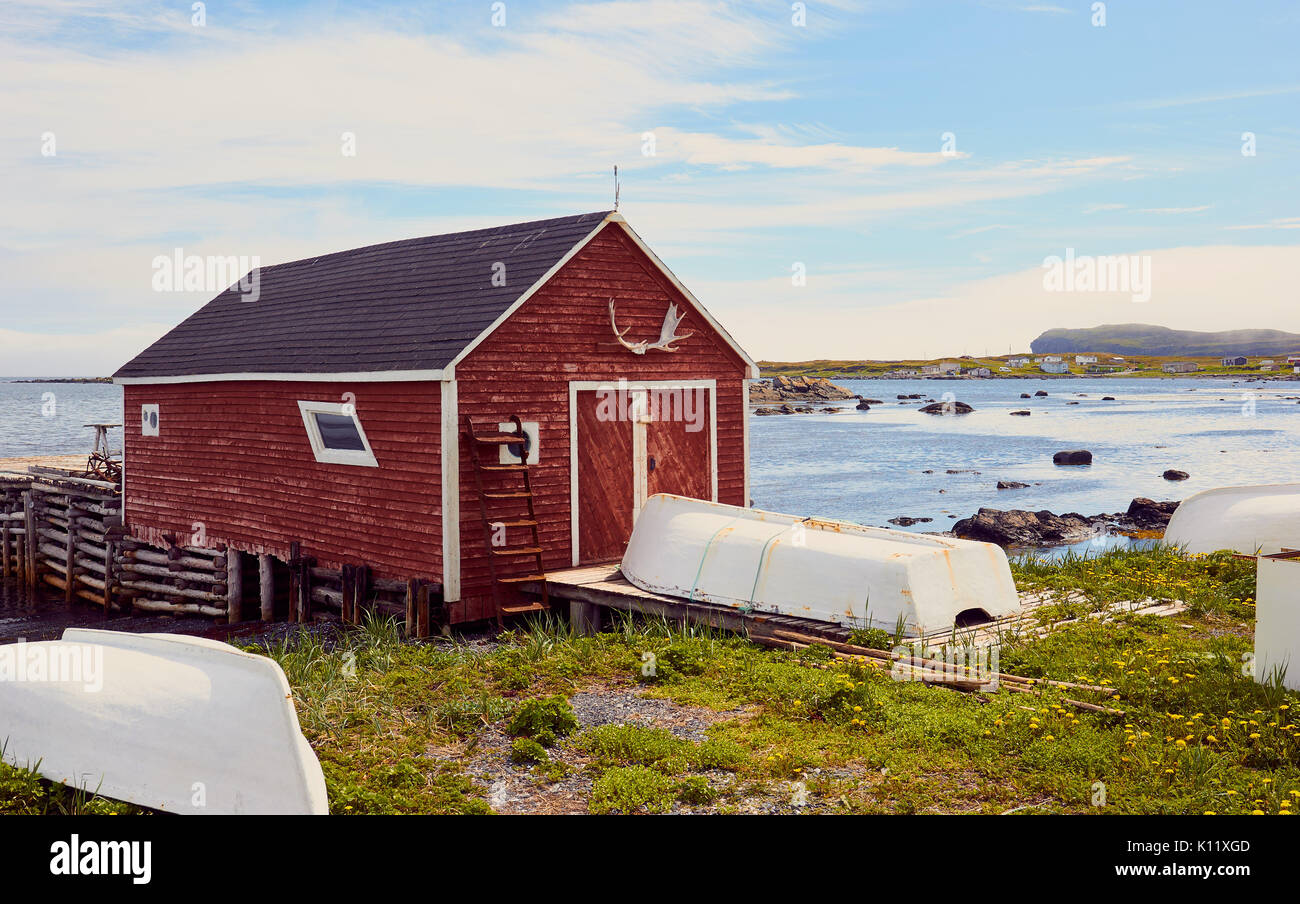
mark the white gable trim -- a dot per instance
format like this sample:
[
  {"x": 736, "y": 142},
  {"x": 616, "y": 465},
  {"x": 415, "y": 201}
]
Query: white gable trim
[{"x": 751, "y": 366}]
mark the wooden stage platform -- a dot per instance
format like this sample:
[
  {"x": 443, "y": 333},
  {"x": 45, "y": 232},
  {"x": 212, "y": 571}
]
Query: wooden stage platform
[{"x": 593, "y": 588}]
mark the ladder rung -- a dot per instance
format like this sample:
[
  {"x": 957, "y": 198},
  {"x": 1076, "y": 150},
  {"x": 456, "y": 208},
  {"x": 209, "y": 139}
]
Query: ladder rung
[
  {"x": 503, "y": 467},
  {"x": 501, "y": 438},
  {"x": 525, "y": 522},
  {"x": 526, "y": 607},
  {"x": 518, "y": 551},
  {"x": 517, "y": 495},
  {"x": 521, "y": 579}
]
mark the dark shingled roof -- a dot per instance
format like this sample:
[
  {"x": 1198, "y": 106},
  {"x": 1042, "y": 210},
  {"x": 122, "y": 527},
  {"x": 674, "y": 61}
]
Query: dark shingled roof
[{"x": 408, "y": 305}]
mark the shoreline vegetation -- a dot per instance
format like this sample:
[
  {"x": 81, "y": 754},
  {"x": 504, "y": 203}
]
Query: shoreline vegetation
[
  {"x": 62, "y": 380},
  {"x": 542, "y": 720},
  {"x": 1009, "y": 367}
]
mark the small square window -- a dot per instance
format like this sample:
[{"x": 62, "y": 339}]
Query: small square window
[
  {"x": 336, "y": 434},
  {"x": 338, "y": 431}
]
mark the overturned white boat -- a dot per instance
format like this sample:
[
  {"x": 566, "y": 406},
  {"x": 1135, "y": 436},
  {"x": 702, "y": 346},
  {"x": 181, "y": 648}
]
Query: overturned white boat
[
  {"x": 1251, "y": 520},
  {"x": 826, "y": 570},
  {"x": 176, "y": 723}
]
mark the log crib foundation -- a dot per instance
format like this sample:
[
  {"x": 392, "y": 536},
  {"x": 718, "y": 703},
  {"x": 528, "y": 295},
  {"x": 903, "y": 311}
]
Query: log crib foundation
[{"x": 62, "y": 531}]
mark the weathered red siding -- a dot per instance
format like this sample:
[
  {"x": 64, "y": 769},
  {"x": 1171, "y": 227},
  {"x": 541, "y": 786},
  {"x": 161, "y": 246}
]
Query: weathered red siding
[
  {"x": 561, "y": 334},
  {"x": 235, "y": 456}
]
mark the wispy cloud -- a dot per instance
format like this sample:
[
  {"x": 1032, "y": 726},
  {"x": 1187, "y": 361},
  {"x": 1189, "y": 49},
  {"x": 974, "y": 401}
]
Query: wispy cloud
[{"x": 1283, "y": 223}]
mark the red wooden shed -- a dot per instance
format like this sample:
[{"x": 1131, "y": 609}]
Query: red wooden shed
[{"x": 356, "y": 408}]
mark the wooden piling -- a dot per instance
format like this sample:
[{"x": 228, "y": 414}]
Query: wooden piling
[
  {"x": 234, "y": 586},
  {"x": 70, "y": 564},
  {"x": 29, "y": 535},
  {"x": 412, "y": 601},
  {"x": 422, "y": 611},
  {"x": 266, "y": 586},
  {"x": 347, "y": 578}
]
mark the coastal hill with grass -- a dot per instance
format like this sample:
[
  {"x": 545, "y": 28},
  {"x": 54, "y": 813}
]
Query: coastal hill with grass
[{"x": 1147, "y": 339}]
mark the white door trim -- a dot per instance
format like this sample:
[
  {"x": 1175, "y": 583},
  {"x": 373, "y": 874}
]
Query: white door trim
[
  {"x": 450, "y": 449},
  {"x": 639, "y": 482},
  {"x": 744, "y": 439}
]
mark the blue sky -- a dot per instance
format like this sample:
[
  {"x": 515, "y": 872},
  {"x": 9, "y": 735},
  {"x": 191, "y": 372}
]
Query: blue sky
[{"x": 774, "y": 145}]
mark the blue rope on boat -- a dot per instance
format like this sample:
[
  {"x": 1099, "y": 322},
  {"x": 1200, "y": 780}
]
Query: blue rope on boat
[
  {"x": 761, "y": 556},
  {"x": 700, "y": 568}
]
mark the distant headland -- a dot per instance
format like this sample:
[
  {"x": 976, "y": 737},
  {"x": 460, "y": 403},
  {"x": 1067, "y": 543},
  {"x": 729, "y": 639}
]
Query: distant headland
[{"x": 1144, "y": 339}]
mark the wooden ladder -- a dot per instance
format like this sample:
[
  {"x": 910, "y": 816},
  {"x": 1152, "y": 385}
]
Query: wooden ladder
[{"x": 491, "y": 468}]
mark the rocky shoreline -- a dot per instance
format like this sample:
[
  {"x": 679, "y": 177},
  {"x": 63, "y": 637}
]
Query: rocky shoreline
[
  {"x": 1023, "y": 529},
  {"x": 798, "y": 389}
]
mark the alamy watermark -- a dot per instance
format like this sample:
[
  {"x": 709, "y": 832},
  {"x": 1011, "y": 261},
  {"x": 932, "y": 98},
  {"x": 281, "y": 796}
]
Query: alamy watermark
[
  {"x": 626, "y": 402},
  {"x": 53, "y": 663},
  {"x": 916, "y": 661},
  {"x": 1105, "y": 273},
  {"x": 212, "y": 273}
]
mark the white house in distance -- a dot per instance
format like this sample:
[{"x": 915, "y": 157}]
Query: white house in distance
[
  {"x": 978, "y": 372},
  {"x": 1054, "y": 367},
  {"x": 1180, "y": 367},
  {"x": 1021, "y": 362},
  {"x": 1085, "y": 359}
]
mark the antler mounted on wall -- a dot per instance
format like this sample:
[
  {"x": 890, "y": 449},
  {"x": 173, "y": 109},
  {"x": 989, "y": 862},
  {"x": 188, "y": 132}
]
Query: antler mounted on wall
[{"x": 667, "y": 333}]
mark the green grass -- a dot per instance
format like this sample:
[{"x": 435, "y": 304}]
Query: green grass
[{"x": 787, "y": 729}]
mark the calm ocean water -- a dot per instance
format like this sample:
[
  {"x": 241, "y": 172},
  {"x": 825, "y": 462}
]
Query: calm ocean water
[
  {"x": 868, "y": 466},
  {"x": 49, "y": 418}
]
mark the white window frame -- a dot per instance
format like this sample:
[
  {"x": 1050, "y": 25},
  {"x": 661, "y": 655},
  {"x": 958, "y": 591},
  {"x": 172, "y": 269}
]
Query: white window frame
[{"x": 361, "y": 458}]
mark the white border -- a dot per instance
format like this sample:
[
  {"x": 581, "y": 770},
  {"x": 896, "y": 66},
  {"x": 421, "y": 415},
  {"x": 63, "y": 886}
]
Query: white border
[
  {"x": 450, "y": 450},
  {"x": 639, "y": 476},
  {"x": 360, "y": 458}
]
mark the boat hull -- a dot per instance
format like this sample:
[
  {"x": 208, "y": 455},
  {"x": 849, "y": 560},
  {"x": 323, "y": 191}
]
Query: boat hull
[
  {"x": 825, "y": 570},
  {"x": 1249, "y": 520},
  {"x": 175, "y": 723}
]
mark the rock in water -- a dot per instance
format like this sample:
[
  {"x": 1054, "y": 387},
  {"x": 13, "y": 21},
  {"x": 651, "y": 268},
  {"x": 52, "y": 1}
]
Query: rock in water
[
  {"x": 947, "y": 408},
  {"x": 1019, "y": 528},
  {"x": 1073, "y": 457},
  {"x": 1025, "y": 395},
  {"x": 1011, "y": 485},
  {"x": 863, "y": 406},
  {"x": 1022, "y": 413},
  {"x": 1171, "y": 474},
  {"x": 1042, "y": 393},
  {"x": 1147, "y": 514},
  {"x": 904, "y": 521}
]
